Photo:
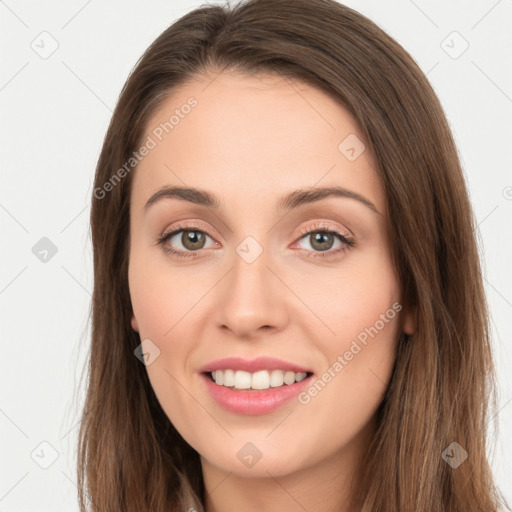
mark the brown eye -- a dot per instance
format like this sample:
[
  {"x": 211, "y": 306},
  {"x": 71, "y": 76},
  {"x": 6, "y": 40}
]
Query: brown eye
[
  {"x": 193, "y": 240},
  {"x": 186, "y": 241},
  {"x": 321, "y": 241},
  {"x": 324, "y": 242}
]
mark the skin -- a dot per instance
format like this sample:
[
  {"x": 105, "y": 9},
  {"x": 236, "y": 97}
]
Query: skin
[{"x": 250, "y": 141}]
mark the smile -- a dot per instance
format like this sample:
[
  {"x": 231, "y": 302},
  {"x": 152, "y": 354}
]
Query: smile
[
  {"x": 256, "y": 392},
  {"x": 263, "y": 379}
]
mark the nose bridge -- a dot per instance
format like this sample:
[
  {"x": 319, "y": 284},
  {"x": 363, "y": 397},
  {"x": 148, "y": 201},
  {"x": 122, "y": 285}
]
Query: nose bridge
[
  {"x": 251, "y": 297},
  {"x": 250, "y": 273}
]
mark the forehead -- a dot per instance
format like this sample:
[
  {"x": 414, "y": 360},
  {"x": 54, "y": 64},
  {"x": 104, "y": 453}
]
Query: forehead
[{"x": 252, "y": 135}]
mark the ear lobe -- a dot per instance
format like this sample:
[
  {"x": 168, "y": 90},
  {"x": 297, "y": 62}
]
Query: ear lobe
[
  {"x": 410, "y": 322},
  {"x": 135, "y": 325}
]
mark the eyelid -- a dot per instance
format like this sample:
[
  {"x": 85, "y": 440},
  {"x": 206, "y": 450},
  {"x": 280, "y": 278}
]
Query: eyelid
[
  {"x": 196, "y": 225},
  {"x": 324, "y": 226}
]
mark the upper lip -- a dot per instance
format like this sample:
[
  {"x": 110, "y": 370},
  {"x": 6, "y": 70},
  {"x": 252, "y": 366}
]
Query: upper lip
[{"x": 253, "y": 365}]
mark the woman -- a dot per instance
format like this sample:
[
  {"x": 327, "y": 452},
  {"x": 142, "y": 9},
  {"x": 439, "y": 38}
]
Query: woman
[{"x": 288, "y": 306}]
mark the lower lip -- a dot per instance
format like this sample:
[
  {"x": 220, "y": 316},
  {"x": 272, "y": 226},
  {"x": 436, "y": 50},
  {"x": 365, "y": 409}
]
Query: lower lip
[{"x": 254, "y": 402}]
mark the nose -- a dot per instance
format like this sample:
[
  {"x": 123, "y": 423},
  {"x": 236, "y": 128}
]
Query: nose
[{"x": 251, "y": 301}]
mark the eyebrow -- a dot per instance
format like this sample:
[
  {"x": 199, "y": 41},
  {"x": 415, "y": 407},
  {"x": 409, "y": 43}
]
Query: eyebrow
[{"x": 290, "y": 201}]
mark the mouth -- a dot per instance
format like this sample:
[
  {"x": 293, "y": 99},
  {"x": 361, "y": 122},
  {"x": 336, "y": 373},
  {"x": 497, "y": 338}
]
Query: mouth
[
  {"x": 254, "y": 387},
  {"x": 261, "y": 380}
]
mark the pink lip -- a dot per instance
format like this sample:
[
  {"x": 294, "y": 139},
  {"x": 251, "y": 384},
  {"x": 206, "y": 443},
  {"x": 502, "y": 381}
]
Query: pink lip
[
  {"x": 253, "y": 402},
  {"x": 254, "y": 365}
]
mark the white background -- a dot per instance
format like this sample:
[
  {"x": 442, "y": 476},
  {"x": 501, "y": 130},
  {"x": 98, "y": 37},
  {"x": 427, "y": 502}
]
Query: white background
[{"x": 54, "y": 115}]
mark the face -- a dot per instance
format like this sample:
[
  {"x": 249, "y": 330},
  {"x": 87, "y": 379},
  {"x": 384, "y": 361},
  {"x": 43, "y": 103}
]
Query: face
[{"x": 290, "y": 293}]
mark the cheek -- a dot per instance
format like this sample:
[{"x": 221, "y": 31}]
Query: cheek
[
  {"x": 361, "y": 308},
  {"x": 158, "y": 301},
  {"x": 358, "y": 359},
  {"x": 163, "y": 304},
  {"x": 353, "y": 299},
  {"x": 159, "y": 297}
]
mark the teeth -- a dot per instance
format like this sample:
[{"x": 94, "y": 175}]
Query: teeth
[
  {"x": 289, "y": 378},
  {"x": 229, "y": 378},
  {"x": 242, "y": 379},
  {"x": 276, "y": 378},
  {"x": 219, "y": 378},
  {"x": 262, "y": 379}
]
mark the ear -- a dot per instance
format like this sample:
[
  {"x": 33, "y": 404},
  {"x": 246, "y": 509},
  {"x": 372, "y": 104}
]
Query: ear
[
  {"x": 410, "y": 321},
  {"x": 135, "y": 325}
]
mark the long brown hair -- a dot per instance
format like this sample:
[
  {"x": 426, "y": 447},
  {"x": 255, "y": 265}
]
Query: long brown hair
[{"x": 130, "y": 457}]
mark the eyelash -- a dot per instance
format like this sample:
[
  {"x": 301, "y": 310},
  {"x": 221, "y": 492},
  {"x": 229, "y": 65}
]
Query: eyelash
[{"x": 318, "y": 228}]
